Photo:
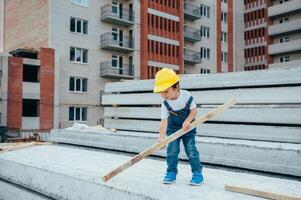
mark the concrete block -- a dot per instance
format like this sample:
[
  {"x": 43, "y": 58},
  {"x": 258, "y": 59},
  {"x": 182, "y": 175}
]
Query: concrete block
[
  {"x": 219, "y": 80},
  {"x": 10, "y": 191},
  {"x": 65, "y": 172},
  {"x": 281, "y": 158},
  {"x": 238, "y": 131}
]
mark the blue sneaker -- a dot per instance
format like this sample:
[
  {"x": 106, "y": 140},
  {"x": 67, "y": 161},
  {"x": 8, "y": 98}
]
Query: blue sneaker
[
  {"x": 170, "y": 178},
  {"x": 197, "y": 179}
]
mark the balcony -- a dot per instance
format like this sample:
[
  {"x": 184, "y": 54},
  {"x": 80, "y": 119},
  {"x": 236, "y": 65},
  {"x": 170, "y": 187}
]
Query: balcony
[
  {"x": 284, "y": 8},
  {"x": 109, "y": 71},
  {"x": 192, "y": 34},
  {"x": 285, "y": 47},
  {"x": 290, "y": 26},
  {"x": 122, "y": 17},
  {"x": 192, "y": 12},
  {"x": 192, "y": 57},
  {"x": 123, "y": 45}
]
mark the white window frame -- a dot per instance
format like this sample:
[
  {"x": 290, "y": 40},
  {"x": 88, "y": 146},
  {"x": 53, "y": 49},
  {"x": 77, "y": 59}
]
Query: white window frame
[
  {"x": 82, "y": 21},
  {"x": 224, "y": 17},
  {"x": 116, "y": 5},
  {"x": 282, "y": 1},
  {"x": 284, "y": 39},
  {"x": 115, "y": 31},
  {"x": 78, "y": 51},
  {"x": 80, "y": 114},
  {"x": 283, "y": 20},
  {"x": 224, "y": 57},
  {"x": 224, "y": 37},
  {"x": 284, "y": 59},
  {"x": 205, "y": 11},
  {"x": 81, "y": 83},
  {"x": 205, "y": 52},
  {"x": 205, "y": 31},
  {"x": 204, "y": 71}
]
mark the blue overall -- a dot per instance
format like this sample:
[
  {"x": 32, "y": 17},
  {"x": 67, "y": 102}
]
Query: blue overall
[{"x": 175, "y": 122}]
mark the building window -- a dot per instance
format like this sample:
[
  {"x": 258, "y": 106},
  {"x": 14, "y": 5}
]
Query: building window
[
  {"x": 283, "y": 20},
  {"x": 31, "y": 73},
  {"x": 204, "y": 71},
  {"x": 284, "y": 58},
  {"x": 224, "y": 57},
  {"x": 224, "y": 36},
  {"x": 30, "y": 108},
  {"x": 205, "y": 52},
  {"x": 284, "y": 39},
  {"x": 205, "y": 31},
  {"x": 80, "y": 2},
  {"x": 115, "y": 7},
  {"x": 224, "y": 1},
  {"x": 282, "y": 1},
  {"x": 224, "y": 17},
  {"x": 77, "y": 113},
  {"x": 78, "y": 84},
  {"x": 78, "y": 55},
  {"x": 205, "y": 11},
  {"x": 78, "y": 25}
]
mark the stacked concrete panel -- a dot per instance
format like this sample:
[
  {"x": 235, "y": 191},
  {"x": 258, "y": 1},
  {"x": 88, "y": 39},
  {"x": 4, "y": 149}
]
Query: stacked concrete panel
[{"x": 262, "y": 132}]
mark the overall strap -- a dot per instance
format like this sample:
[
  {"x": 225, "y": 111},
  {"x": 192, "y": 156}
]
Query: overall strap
[
  {"x": 189, "y": 101},
  {"x": 167, "y": 106}
]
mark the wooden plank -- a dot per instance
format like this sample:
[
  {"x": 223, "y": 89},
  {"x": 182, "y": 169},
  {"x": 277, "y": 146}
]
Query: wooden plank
[
  {"x": 21, "y": 145},
  {"x": 167, "y": 140},
  {"x": 260, "y": 193},
  {"x": 242, "y": 114},
  {"x": 236, "y": 131},
  {"x": 220, "y": 80},
  {"x": 244, "y": 96}
]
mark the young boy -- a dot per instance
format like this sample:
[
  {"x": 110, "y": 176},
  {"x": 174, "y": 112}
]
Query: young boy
[{"x": 178, "y": 110}]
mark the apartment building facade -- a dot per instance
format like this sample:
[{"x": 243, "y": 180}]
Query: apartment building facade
[
  {"x": 284, "y": 32},
  {"x": 27, "y": 89},
  {"x": 272, "y": 34}
]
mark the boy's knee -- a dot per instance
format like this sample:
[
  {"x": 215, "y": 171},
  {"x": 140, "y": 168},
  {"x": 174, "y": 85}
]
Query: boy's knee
[
  {"x": 192, "y": 152},
  {"x": 173, "y": 151}
]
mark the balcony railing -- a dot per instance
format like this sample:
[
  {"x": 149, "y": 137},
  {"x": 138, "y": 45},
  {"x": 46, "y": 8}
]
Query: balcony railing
[
  {"x": 191, "y": 11},
  {"x": 109, "y": 71},
  {"x": 122, "y": 17},
  {"x": 109, "y": 42},
  {"x": 192, "y": 34},
  {"x": 192, "y": 57}
]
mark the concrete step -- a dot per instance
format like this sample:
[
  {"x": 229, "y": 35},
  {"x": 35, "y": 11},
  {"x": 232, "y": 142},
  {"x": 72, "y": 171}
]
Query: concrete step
[
  {"x": 68, "y": 172},
  {"x": 284, "y": 158},
  {"x": 10, "y": 191}
]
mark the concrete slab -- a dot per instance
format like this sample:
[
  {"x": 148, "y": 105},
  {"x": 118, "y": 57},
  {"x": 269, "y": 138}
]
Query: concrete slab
[
  {"x": 9, "y": 191},
  {"x": 71, "y": 173},
  {"x": 238, "y": 131},
  {"x": 282, "y": 158},
  {"x": 218, "y": 80},
  {"x": 289, "y": 115}
]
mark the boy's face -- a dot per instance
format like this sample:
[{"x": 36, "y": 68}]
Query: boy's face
[{"x": 170, "y": 93}]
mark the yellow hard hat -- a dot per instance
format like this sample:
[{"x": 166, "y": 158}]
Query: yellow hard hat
[{"x": 165, "y": 78}]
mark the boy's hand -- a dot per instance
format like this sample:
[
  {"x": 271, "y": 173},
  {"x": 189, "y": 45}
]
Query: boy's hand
[
  {"x": 186, "y": 125},
  {"x": 160, "y": 139}
]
